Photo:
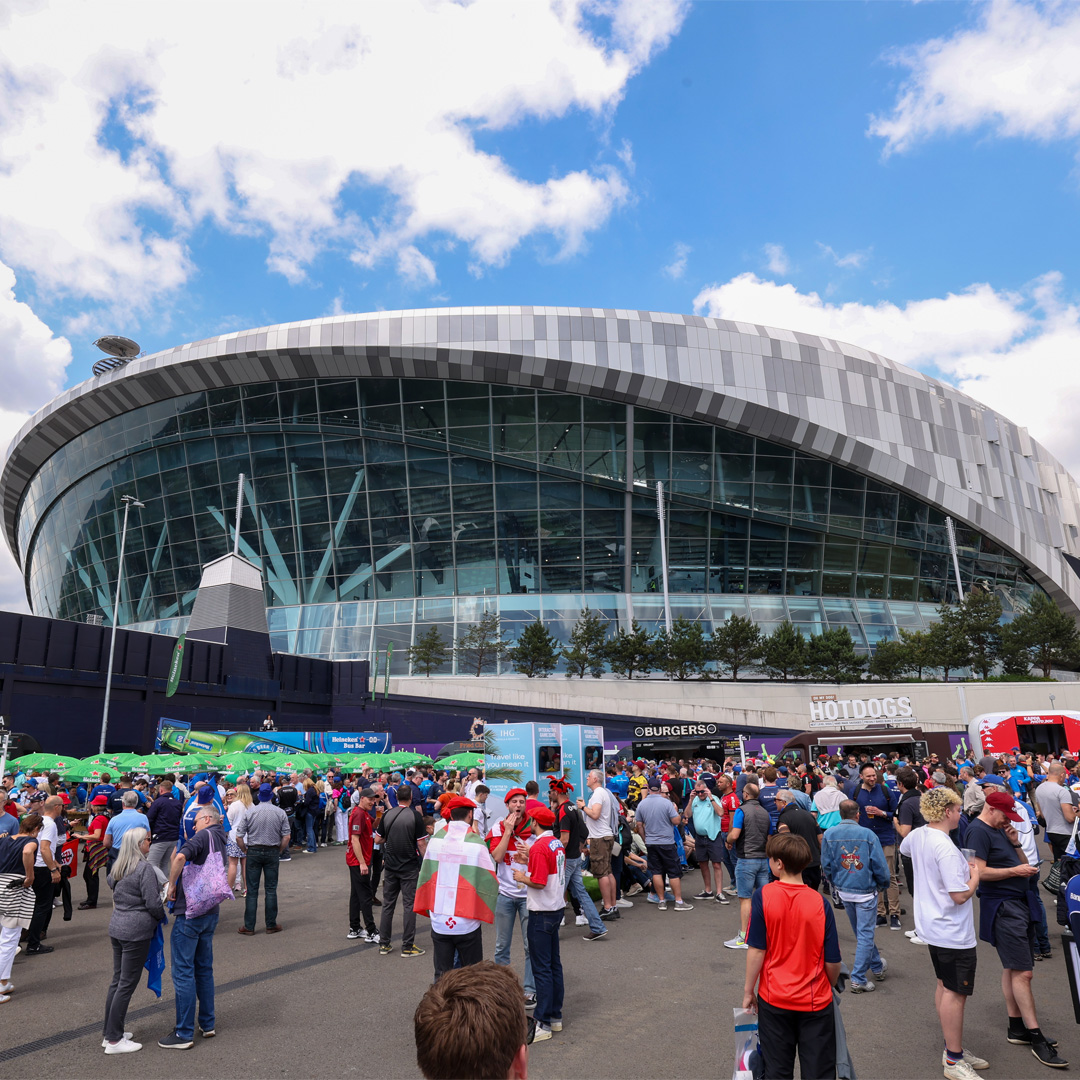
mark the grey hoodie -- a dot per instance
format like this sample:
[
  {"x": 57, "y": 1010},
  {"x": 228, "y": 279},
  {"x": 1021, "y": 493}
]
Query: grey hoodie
[{"x": 137, "y": 907}]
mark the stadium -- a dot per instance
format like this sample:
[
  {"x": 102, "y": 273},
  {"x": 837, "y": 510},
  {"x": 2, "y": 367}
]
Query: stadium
[{"x": 418, "y": 468}]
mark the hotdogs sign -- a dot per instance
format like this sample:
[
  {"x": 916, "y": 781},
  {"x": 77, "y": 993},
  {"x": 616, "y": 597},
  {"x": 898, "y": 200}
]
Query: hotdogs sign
[{"x": 858, "y": 712}]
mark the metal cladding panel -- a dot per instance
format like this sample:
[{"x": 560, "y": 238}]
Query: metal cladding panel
[
  {"x": 850, "y": 405},
  {"x": 231, "y": 606}
]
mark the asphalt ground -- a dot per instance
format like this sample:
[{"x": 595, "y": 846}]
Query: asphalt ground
[{"x": 653, "y": 999}]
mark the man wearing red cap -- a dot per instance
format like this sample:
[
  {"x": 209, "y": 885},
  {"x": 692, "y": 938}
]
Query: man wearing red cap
[
  {"x": 509, "y": 842},
  {"x": 546, "y": 883},
  {"x": 1007, "y": 917}
]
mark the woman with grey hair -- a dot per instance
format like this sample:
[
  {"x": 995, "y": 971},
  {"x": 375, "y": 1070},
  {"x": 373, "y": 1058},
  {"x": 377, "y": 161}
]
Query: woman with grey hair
[{"x": 137, "y": 910}]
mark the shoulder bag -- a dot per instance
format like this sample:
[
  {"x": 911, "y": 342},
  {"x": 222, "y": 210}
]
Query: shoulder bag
[
  {"x": 1052, "y": 884},
  {"x": 205, "y": 885}
]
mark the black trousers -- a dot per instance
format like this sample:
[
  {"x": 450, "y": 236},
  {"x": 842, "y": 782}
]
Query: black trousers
[
  {"x": 376, "y": 870},
  {"x": 395, "y": 884},
  {"x": 1058, "y": 843},
  {"x": 360, "y": 896},
  {"x": 812, "y": 876},
  {"x": 467, "y": 948},
  {"x": 92, "y": 883},
  {"x": 128, "y": 960},
  {"x": 782, "y": 1032},
  {"x": 43, "y": 901},
  {"x": 62, "y": 891}
]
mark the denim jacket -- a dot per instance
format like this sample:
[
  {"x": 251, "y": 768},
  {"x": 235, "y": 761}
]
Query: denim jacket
[{"x": 852, "y": 859}]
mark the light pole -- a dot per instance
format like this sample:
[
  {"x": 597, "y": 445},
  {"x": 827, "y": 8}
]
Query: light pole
[{"x": 129, "y": 501}]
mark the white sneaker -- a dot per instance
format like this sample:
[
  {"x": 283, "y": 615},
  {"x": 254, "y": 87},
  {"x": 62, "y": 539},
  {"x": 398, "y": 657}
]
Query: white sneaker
[
  {"x": 863, "y": 987},
  {"x": 563, "y": 923},
  {"x": 909, "y": 933},
  {"x": 731, "y": 890},
  {"x": 969, "y": 1059},
  {"x": 6, "y": 986},
  {"x": 556, "y": 1025},
  {"x": 581, "y": 921},
  {"x": 623, "y": 902},
  {"x": 960, "y": 1071},
  {"x": 353, "y": 935},
  {"x": 126, "y": 1038},
  {"x": 916, "y": 940},
  {"x": 737, "y": 942},
  {"x": 542, "y": 1032},
  {"x": 124, "y": 1046}
]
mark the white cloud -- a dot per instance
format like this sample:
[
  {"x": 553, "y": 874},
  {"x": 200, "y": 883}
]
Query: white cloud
[
  {"x": 127, "y": 126},
  {"x": 1017, "y": 352},
  {"x": 1016, "y": 70},
  {"x": 776, "y": 259},
  {"x": 852, "y": 260},
  {"x": 677, "y": 267},
  {"x": 415, "y": 267}
]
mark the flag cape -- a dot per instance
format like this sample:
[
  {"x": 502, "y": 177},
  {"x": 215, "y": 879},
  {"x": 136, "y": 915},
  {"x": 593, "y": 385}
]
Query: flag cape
[
  {"x": 457, "y": 876},
  {"x": 155, "y": 962}
]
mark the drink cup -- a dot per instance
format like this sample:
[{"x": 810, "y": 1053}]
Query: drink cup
[{"x": 968, "y": 853}]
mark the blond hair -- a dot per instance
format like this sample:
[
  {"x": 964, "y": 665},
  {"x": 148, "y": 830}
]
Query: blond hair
[
  {"x": 935, "y": 803},
  {"x": 243, "y": 793}
]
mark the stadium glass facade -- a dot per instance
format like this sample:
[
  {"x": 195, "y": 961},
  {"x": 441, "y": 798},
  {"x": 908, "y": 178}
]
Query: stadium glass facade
[{"x": 377, "y": 507}]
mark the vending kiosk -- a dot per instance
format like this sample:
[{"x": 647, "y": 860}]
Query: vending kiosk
[
  {"x": 1035, "y": 732},
  {"x": 583, "y": 749},
  {"x": 521, "y": 752}
]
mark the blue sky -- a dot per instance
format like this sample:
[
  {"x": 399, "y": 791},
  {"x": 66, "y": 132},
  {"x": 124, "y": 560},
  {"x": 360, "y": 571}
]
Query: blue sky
[{"x": 903, "y": 176}]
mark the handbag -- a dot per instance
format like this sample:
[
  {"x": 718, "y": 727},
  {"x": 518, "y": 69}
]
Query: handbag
[
  {"x": 205, "y": 885},
  {"x": 1052, "y": 882}
]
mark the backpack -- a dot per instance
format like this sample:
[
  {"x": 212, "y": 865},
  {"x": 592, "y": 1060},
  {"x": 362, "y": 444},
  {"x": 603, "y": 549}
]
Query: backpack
[{"x": 345, "y": 800}]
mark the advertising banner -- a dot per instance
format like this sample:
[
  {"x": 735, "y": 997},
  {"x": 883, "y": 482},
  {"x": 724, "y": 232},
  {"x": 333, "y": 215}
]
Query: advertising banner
[
  {"x": 521, "y": 752},
  {"x": 179, "y": 735},
  {"x": 583, "y": 749}
]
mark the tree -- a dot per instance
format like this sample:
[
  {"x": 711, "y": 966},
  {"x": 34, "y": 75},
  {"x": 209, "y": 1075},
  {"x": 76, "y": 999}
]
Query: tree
[
  {"x": 684, "y": 652},
  {"x": 429, "y": 653},
  {"x": 1046, "y": 634},
  {"x": 481, "y": 646},
  {"x": 919, "y": 650},
  {"x": 627, "y": 652},
  {"x": 784, "y": 652},
  {"x": 536, "y": 651},
  {"x": 948, "y": 644},
  {"x": 585, "y": 653},
  {"x": 890, "y": 660},
  {"x": 737, "y": 644},
  {"x": 980, "y": 621},
  {"x": 831, "y": 656}
]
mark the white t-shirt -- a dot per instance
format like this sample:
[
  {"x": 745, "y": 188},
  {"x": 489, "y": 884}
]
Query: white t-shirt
[
  {"x": 939, "y": 868},
  {"x": 452, "y": 924},
  {"x": 601, "y": 827},
  {"x": 48, "y": 832},
  {"x": 236, "y": 812},
  {"x": 547, "y": 863}
]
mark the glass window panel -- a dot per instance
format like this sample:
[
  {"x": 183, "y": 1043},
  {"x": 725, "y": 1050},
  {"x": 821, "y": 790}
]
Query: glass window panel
[
  {"x": 840, "y": 556},
  {"x": 874, "y": 558},
  {"x": 727, "y": 579},
  {"x": 379, "y": 391},
  {"x": 426, "y": 418},
  {"x": 469, "y": 470},
  {"x": 602, "y": 523},
  {"x": 473, "y": 438},
  {"x": 516, "y": 496},
  {"x": 514, "y": 439},
  {"x": 837, "y": 584},
  {"x": 427, "y": 468},
  {"x": 765, "y": 609},
  {"x": 313, "y": 511},
  {"x": 381, "y": 417},
  {"x": 517, "y": 409},
  {"x": 691, "y": 438},
  {"x": 870, "y": 586},
  {"x": 772, "y": 498},
  {"x": 519, "y": 524},
  {"x": 766, "y": 554},
  {"x": 383, "y": 476},
  {"x": 475, "y": 412},
  {"x": 733, "y": 442},
  {"x": 765, "y": 581},
  {"x": 431, "y": 502},
  {"x": 558, "y": 408},
  {"x": 803, "y": 583},
  {"x": 338, "y": 404}
]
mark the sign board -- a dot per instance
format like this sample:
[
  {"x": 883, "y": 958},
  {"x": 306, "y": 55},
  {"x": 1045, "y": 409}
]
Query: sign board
[
  {"x": 526, "y": 752},
  {"x": 583, "y": 749},
  {"x": 179, "y": 735},
  {"x": 831, "y": 712},
  {"x": 675, "y": 731}
]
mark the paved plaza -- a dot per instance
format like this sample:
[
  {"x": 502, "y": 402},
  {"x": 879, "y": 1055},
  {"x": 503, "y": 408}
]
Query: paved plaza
[{"x": 653, "y": 999}]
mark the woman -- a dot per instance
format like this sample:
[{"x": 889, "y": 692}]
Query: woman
[
  {"x": 137, "y": 910},
  {"x": 328, "y": 800},
  {"x": 341, "y": 815},
  {"x": 237, "y": 801},
  {"x": 827, "y": 802},
  {"x": 17, "y": 855},
  {"x": 310, "y": 804},
  {"x": 97, "y": 854}
]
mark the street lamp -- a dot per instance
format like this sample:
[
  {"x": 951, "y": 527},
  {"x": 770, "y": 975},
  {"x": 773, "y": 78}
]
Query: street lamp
[{"x": 129, "y": 501}]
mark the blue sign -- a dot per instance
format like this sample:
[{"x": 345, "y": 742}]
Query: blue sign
[
  {"x": 583, "y": 750},
  {"x": 526, "y": 752}
]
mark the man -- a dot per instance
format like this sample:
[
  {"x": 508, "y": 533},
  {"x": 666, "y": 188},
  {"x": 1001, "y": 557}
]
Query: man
[
  {"x": 729, "y": 800},
  {"x": 458, "y": 889},
  {"x": 163, "y": 818},
  {"x": 403, "y": 839},
  {"x": 546, "y": 881},
  {"x": 853, "y": 862},
  {"x": 1054, "y": 801},
  {"x": 602, "y": 824},
  {"x": 46, "y": 876},
  {"x": 793, "y": 960},
  {"x": 767, "y": 793},
  {"x": 1007, "y": 916},
  {"x": 128, "y": 818},
  {"x": 472, "y": 1023},
  {"x": 287, "y": 798},
  {"x": 104, "y": 788},
  {"x": 191, "y": 943},
  {"x": 9, "y": 822},
  {"x": 204, "y": 795},
  {"x": 263, "y": 836},
  {"x": 358, "y": 856},
  {"x": 482, "y": 812},
  {"x": 655, "y": 823},
  {"x": 707, "y": 812},
  {"x": 794, "y": 819},
  {"x": 944, "y": 883},
  {"x": 384, "y": 801},
  {"x": 471, "y": 783},
  {"x": 748, "y": 835},
  {"x": 509, "y": 842},
  {"x": 570, "y": 828},
  {"x": 877, "y": 806},
  {"x": 116, "y": 803}
]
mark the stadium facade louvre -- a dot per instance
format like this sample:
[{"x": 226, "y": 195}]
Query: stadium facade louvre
[{"x": 417, "y": 468}]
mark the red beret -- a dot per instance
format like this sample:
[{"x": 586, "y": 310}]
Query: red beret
[
  {"x": 512, "y": 792},
  {"x": 543, "y": 817},
  {"x": 456, "y": 802}
]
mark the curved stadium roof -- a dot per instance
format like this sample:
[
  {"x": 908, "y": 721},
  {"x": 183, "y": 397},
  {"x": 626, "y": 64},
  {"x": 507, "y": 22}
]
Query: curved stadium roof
[{"x": 834, "y": 400}]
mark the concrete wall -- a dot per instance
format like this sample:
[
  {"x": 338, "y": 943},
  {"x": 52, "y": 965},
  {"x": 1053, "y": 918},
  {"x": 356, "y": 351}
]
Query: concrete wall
[{"x": 776, "y": 705}]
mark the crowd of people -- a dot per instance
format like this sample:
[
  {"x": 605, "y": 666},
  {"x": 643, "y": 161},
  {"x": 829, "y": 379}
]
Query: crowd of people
[{"x": 792, "y": 842}]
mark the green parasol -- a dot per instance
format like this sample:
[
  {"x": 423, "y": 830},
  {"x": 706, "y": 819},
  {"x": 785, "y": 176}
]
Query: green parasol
[
  {"x": 461, "y": 761},
  {"x": 408, "y": 758},
  {"x": 46, "y": 762},
  {"x": 286, "y": 762},
  {"x": 366, "y": 761},
  {"x": 238, "y": 763}
]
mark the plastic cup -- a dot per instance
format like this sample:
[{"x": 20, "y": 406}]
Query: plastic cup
[{"x": 968, "y": 853}]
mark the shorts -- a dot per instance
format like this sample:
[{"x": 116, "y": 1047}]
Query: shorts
[
  {"x": 751, "y": 875},
  {"x": 600, "y": 855},
  {"x": 707, "y": 850},
  {"x": 1015, "y": 935},
  {"x": 955, "y": 968},
  {"x": 664, "y": 859}
]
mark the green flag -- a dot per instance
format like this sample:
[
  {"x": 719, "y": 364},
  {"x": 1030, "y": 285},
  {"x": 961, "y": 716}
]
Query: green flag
[
  {"x": 174, "y": 667},
  {"x": 375, "y": 677},
  {"x": 386, "y": 680}
]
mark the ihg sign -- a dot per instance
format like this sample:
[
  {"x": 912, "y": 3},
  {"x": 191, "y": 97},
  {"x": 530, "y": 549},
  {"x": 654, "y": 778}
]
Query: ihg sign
[{"x": 832, "y": 712}]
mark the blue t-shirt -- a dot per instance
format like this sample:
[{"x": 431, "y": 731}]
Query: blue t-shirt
[
  {"x": 128, "y": 818},
  {"x": 619, "y": 785},
  {"x": 102, "y": 789},
  {"x": 655, "y": 812},
  {"x": 767, "y": 798},
  {"x": 8, "y": 825},
  {"x": 191, "y": 808},
  {"x": 1018, "y": 778},
  {"x": 883, "y": 799}
]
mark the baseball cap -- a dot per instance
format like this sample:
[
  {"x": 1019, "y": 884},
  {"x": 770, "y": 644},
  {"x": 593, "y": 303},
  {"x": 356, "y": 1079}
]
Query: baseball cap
[
  {"x": 1002, "y": 801},
  {"x": 100, "y": 800},
  {"x": 992, "y": 780},
  {"x": 654, "y": 784},
  {"x": 368, "y": 793}
]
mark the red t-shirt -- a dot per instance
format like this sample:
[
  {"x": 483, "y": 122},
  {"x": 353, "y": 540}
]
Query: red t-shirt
[
  {"x": 730, "y": 803},
  {"x": 360, "y": 825},
  {"x": 99, "y": 825}
]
